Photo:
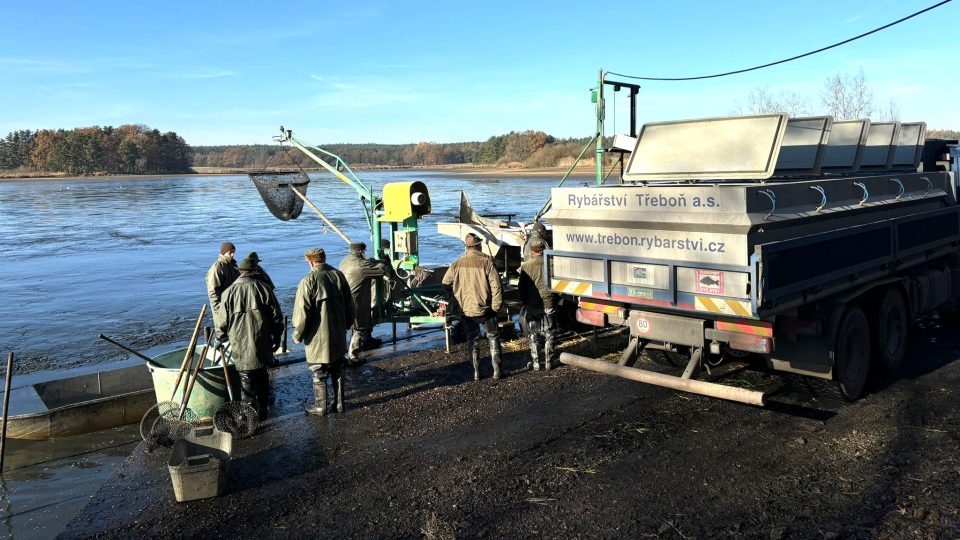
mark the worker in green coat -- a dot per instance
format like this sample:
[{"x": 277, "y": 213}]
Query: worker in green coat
[
  {"x": 538, "y": 312},
  {"x": 360, "y": 273},
  {"x": 322, "y": 312},
  {"x": 250, "y": 319},
  {"x": 222, "y": 273}
]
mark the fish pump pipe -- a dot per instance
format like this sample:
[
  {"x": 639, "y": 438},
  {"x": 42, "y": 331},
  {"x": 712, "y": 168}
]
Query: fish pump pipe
[{"x": 704, "y": 388}]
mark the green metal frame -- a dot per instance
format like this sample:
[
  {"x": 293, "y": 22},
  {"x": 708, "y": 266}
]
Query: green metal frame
[
  {"x": 412, "y": 299},
  {"x": 368, "y": 198}
]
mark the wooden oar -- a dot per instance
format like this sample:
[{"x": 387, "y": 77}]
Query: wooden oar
[{"x": 125, "y": 348}]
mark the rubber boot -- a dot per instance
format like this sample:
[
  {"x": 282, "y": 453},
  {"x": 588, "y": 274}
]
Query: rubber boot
[
  {"x": 356, "y": 346},
  {"x": 495, "y": 358},
  {"x": 261, "y": 381},
  {"x": 319, "y": 395},
  {"x": 248, "y": 390},
  {"x": 473, "y": 351},
  {"x": 535, "y": 354}
]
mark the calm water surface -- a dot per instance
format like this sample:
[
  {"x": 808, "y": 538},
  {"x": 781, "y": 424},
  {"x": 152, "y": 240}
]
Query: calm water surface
[{"x": 127, "y": 257}]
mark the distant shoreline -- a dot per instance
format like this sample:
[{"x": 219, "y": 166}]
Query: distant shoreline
[{"x": 464, "y": 170}]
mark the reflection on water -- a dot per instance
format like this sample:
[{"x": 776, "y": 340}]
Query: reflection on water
[{"x": 127, "y": 257}]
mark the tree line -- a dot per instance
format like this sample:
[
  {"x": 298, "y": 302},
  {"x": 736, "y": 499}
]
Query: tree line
[
  {"x": 127, "y": 149},
  {"x": 515, "y": 149},
  {"x": 138, "y": 149}
]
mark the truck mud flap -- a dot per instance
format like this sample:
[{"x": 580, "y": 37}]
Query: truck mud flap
[{"x": 704, "y": 388}]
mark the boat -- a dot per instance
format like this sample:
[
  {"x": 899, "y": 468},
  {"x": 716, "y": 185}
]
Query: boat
[
  {"x": 81, "y": 403},
  {"x": 117, "y": 394}
]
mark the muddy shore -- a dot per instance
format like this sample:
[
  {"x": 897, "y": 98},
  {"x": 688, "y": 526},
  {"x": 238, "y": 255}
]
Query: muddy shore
[{"x": 423, "y": 451}]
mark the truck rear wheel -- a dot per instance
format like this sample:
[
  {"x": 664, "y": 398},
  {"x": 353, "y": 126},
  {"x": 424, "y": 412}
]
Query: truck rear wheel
[
  {"x": 851, "y": 362},
  {"x": 891, "y": 330}
]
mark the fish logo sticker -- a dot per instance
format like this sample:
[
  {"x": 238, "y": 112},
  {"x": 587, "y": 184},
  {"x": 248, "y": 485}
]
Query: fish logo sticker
[{"x": 710, "y": 282}]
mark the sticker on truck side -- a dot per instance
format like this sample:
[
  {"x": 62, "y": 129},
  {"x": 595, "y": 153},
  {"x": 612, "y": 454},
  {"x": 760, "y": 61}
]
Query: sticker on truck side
[
  {"x": 643, "y": 325},
  {"x": 710, "y": 282}
]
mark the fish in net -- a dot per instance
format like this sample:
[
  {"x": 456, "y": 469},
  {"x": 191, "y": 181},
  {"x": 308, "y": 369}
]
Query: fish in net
[{"x": 276, "y": 190}]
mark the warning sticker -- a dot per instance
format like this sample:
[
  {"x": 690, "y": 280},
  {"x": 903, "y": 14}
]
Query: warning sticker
[{"x": 710, "y": 282}]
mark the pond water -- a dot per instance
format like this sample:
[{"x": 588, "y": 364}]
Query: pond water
[{"x": 127, "y": 257}]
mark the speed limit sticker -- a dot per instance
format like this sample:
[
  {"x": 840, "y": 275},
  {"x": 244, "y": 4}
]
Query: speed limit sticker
[{"x": 643, "y": 325}]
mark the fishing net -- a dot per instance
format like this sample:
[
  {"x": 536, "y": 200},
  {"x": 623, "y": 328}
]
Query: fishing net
[
  {"x": 237, "y": 418},
  {"x": 162, "y": 425},
  {"x": 276, "y": 190}
]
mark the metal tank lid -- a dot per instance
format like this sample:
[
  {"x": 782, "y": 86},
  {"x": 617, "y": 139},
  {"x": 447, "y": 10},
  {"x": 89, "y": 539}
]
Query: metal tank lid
[{"x": 738, "y": 147}]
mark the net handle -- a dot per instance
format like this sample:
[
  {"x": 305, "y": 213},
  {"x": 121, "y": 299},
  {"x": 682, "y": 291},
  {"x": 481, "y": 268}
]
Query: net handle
[{"x": 322, "y": 216}]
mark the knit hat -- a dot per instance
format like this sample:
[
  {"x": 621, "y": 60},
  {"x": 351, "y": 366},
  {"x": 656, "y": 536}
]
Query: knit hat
[
  {"x": 248, "y": 265},
  {"x": 227, "y": 247},
  {"x": 357, "y": 247},
  {"x": 471, "y": 240}
]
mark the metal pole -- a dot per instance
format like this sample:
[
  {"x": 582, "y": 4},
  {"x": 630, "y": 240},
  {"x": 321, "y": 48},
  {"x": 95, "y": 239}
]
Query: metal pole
[
  {"x": 750, "y": 397},
  {"x": 600, "y": 115},
  {"x": 6, "y": 405},
  {"x": 286, "y": 324}
]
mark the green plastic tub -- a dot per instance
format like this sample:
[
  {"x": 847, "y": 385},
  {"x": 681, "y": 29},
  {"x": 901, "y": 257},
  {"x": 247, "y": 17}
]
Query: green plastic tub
[{"x": 209, "y": 392}]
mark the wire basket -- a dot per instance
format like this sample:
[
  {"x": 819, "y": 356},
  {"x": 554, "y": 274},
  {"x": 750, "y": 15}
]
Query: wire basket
[
  {"x": 163, "y": 426},
  {"x": 237, "y": 418},
  {"x": 276, "y": 190}
]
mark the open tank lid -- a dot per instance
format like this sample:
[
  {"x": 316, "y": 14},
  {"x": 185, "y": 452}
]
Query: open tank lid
[
  {"x": 804, "y": 144},
  {"x": 737, "y": 147}
]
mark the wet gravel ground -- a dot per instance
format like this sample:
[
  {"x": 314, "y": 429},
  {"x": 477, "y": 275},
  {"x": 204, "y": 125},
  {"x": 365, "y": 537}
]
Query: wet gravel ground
[{"x": 423, "y": 451}]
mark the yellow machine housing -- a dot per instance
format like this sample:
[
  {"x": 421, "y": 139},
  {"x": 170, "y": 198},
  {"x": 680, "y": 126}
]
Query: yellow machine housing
[{"x": 404, "y": 200}]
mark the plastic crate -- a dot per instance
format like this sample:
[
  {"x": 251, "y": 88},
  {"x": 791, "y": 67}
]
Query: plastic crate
[{"x": 198, "y": 464}]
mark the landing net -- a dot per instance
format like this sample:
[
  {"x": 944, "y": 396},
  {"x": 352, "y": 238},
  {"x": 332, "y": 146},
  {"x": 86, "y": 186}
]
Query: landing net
[{"x": 276, "y": 190}]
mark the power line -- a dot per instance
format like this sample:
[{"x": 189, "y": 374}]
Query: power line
[{"x": 844, "y": 42}]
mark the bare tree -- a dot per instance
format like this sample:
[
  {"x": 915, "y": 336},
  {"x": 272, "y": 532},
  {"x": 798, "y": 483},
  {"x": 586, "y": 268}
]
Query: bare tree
[
  {"x": 891, "y": 113},
  {"x": 848, "y": 97},
  {"x": 761, "y": 100}
]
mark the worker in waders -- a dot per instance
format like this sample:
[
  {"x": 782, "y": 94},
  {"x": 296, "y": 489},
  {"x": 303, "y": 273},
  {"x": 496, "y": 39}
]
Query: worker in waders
[
  {"x": 221, "y": 274},
  {"x": 476, "y": 286},
  {"x": 322, "y": 312},
  {"x": 360, "y": 273},
  {"x": 538, "y": 312},
  {"x": 250, "y": 320}
]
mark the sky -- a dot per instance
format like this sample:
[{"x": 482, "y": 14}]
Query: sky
[{"x": 402, "y": 72}]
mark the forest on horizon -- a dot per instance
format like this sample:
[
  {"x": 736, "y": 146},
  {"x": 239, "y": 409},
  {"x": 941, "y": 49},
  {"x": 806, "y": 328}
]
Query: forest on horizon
[{"x": 138, "y": 149}]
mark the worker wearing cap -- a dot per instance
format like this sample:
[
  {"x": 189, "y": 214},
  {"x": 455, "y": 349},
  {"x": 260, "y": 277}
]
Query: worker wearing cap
[
  {"x": 538, "y": 315},
  {"x": 322, "y": 312},
  {"x": 261, "y": 274},
  {"x": 250, "y": 319},
  {"x": 538, "y": 232},
  {"x": 222, "y": 274},
  {"x": 360, "y": 273},
  {"x": 476, "y": 286}
]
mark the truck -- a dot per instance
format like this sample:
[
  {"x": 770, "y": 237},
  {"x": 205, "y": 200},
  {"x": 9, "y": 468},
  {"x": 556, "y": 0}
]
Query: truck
[{"x": 811, "y": 243}]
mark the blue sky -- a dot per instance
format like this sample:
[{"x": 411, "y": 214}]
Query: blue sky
[{"x": 398, "y": 72}]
